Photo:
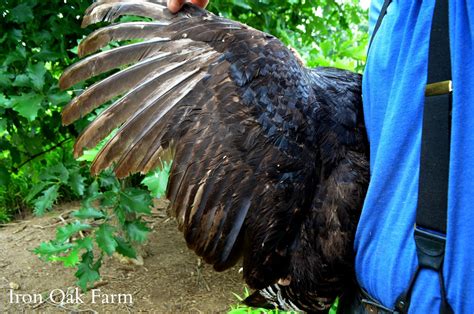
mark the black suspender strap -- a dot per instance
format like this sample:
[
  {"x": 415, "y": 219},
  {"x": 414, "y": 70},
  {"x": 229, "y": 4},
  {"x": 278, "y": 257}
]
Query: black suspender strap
[
  {"x": 436, "y": 138},
  {"x": 383, "y": 11},
  {"x": 431, "y": 215}
]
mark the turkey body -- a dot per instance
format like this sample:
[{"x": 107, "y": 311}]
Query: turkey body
[{"x": 270, "y": 159}]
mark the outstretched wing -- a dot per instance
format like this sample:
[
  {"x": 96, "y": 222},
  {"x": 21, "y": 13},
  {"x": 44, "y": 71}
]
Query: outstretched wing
[{"x": 232, "y": 105}]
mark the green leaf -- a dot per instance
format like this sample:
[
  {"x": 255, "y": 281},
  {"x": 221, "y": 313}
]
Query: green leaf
[
  {"x": 36, "y": 73},
  {"x": 157, "y": 181},
  {"x": 59, "y": 98},
  {"x": 333, "y": 309},
  {"x": 22, "y": 80},
  {"x": 35, "y": 190},
  {"x": 134, "y": 200},
  {"x": 108, "y": 180},
  {"x": 21, "y": 14},
  {"x": 64, "y": 233},
  {"x": 5, "y": 82},
  {"x": 4, "y": 176},
  {"x": 15, "y": 34},
  {"x": 27, "y": 105},
  {"x": 85, "y": 243},
  {"x": 120, "y": 214},
  {"x": 88, "y": 213},
  {"x": 242, "y": 4},
  {"x": 105, "y": 239},
  {"x": 76, "y": 182},
  {"x": 18, "y": 55},
  {"x": 3, "y": 124},
  {"x": 57, "y": 173},
  {"x": 48, "y": 249},
  {"x": 109, "y": 199},
  {"x": 137, "y": 231},
  {"x": 70, "y": 260},
  {"x": 46, "y": 201},
  {"x": 88, "y": 155},
  {"x": 93, "y": 189},
  {"x": 88, "y": 271},
  {"x": 124, "y": 248},
  {"x": 3, "y": 37},
  {"x": 4, "y": 102}
]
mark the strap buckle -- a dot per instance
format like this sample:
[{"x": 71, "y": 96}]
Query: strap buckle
[
  {"x": 371, "y": 305},
  {"x": 430, "y": 248},
  {"x": 439, "y": 88}
]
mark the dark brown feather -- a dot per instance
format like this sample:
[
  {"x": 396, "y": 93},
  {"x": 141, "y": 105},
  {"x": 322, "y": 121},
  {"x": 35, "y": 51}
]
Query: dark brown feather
[{"x": 269, "y": 157}]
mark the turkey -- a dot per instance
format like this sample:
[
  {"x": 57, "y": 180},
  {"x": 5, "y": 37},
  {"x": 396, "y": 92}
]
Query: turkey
[{"x": 270, "y": 158}]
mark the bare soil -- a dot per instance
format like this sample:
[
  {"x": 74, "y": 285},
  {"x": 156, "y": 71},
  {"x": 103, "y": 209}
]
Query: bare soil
[{"x": 168, "y": 279}]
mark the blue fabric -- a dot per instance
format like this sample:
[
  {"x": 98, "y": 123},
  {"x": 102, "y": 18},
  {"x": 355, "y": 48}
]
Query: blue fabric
[{"x": 393, "y": 91}]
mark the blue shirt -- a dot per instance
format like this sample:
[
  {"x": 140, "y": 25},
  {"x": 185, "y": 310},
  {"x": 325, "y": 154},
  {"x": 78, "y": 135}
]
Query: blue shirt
[{"x": 393, "y": 93}]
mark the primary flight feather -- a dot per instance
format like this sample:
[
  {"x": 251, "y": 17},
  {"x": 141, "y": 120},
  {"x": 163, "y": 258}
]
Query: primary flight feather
[{"x": 269, "y": 157}]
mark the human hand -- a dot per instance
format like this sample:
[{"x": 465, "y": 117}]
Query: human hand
[{"x": 175, "y": 5}]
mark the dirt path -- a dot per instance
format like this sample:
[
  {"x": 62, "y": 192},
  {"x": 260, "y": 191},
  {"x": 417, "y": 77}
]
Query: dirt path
[{"x": 169, "y": 281}]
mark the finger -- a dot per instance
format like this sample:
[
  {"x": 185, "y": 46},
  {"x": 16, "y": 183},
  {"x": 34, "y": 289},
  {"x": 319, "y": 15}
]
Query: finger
[
  {"x": 175, "y": 5},
  {"x": 201, "y": 3}
]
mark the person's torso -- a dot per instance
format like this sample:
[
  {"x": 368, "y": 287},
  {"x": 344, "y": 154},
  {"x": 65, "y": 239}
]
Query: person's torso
[{"x": 393, "y": 92}]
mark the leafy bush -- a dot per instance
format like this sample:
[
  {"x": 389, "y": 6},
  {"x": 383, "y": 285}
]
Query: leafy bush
[
  {"x": 36, "y": 164},
  {"x": 35, "y": 152},
  {"x": 110, "y": 217}
]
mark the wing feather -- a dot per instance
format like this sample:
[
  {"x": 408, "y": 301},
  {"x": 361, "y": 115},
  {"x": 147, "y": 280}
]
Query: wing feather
[
  {"x": 109, "y": 60},
  {"x": 114, "y": 85},
  {"x": 109, "y": 12},
  {"x": 123, "y": 108},
  {"x": 232, "y": 106},
  {"x": 100, "y": 2},
  {"x": 142, "y": 122},
  {"x": 118, "y": 32}
]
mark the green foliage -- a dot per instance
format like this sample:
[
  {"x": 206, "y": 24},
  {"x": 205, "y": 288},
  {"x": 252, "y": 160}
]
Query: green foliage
[
  {"x": 156, "y": 181},
  {"x": 105, "y": 239},
  {"x": 88, "y": 270},
  {"x": 34, "y": 50},
  {"x": 110, "y": 220}
]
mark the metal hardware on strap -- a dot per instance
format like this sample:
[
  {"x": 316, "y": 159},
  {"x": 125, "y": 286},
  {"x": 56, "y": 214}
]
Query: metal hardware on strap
[
  {"x": 439, "y": 88},
  {"x": 430, "y": 248},
  {"x": 372, "y": 306},
  {"x": 375, "y": 308}
]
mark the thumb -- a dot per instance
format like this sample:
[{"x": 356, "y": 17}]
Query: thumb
[{"x": 175, "y": 5}]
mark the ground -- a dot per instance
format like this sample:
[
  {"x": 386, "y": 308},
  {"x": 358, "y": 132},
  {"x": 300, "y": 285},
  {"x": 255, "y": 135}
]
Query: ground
[{"x": 169, "y": 279}]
